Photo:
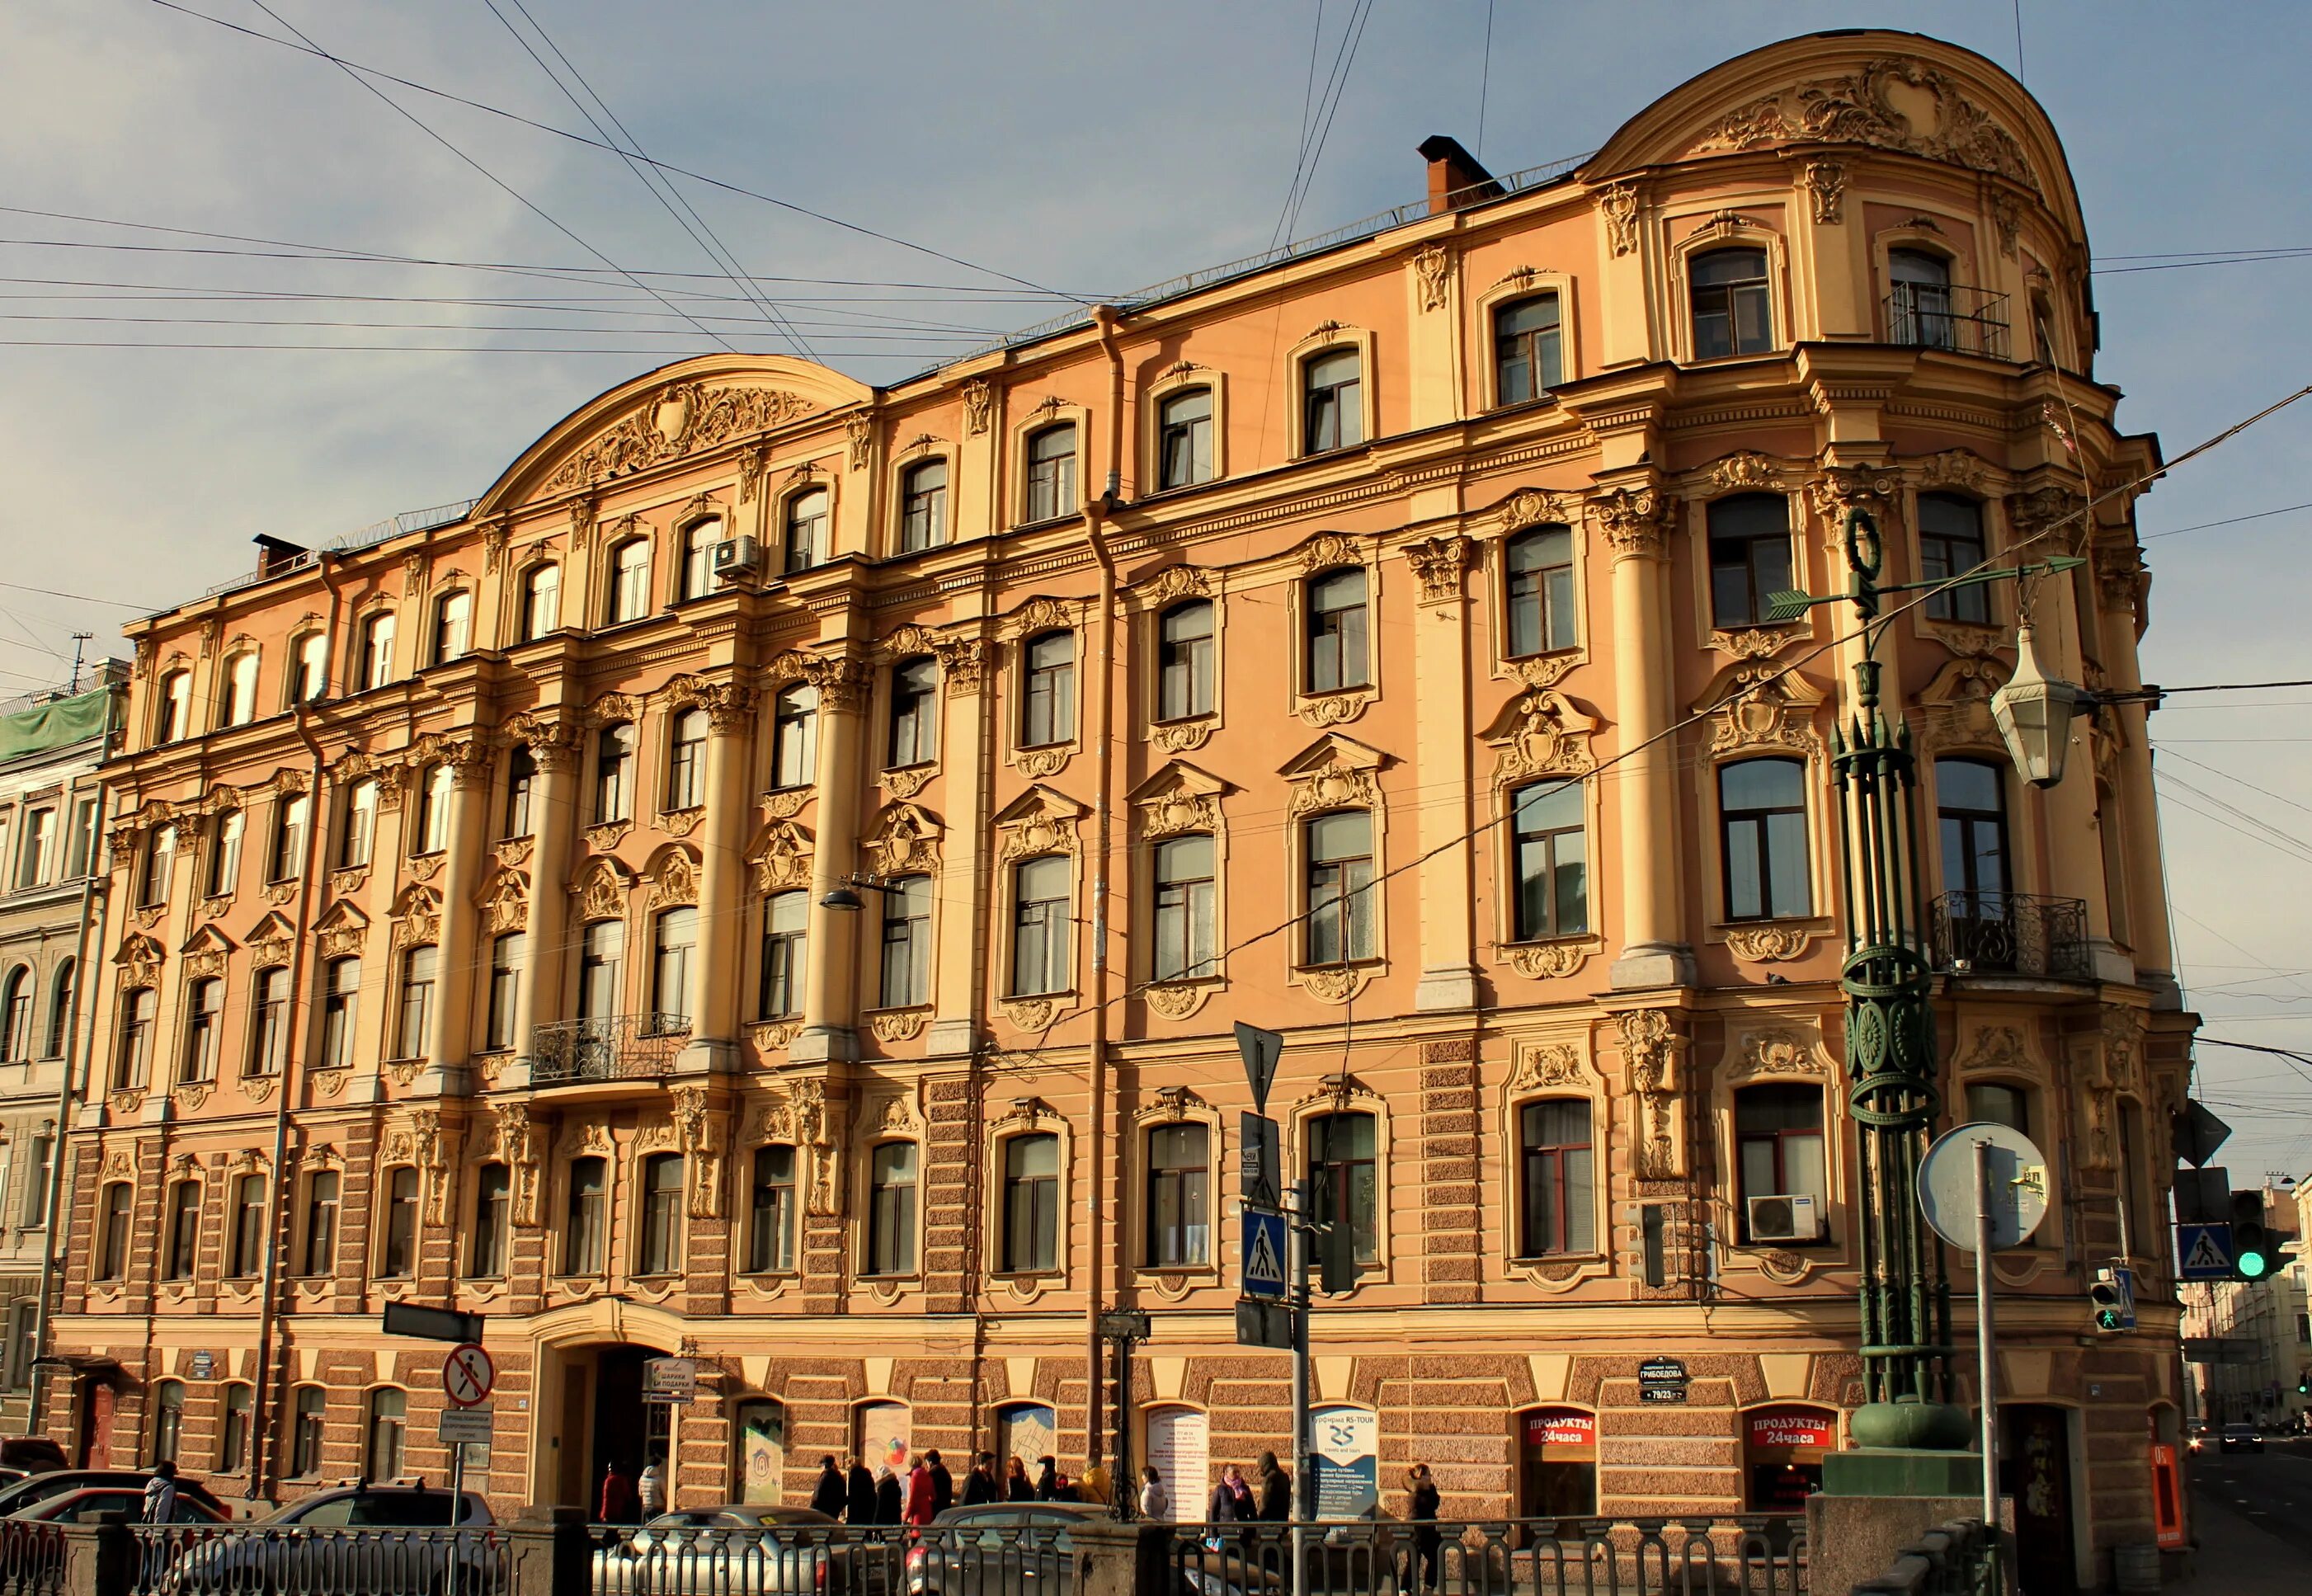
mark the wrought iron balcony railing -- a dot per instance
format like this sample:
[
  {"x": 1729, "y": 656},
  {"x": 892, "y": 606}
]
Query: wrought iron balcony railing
[
  {"x": 1936, "y": 316},
  {"x": 2009, "y": 934},
  {"x": 613, "y": 1047}
]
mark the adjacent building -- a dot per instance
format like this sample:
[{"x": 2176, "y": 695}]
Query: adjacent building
[
  {"x": 772, "y": 881},
  {"x": 2257, "y": 1335}
]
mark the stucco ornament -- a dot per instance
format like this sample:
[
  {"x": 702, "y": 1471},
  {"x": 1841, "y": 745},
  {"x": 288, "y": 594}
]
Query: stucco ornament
[
  {"x": 905, "y": 837},
  {"x": 1766, "y": 944},
  {"x": 978, "y": 406},
  {"x": 681, "y": 419},
  {"x": 1439, "y": 563},
  {"x": 1038, "y": 822},
  {"x": 1335, "y": 772},
  {"x": 1620, "y": 203},
  {"x": 1540, "y": 733},
  {"x": 1177, "y": 799},
  {"x": 1432, "y": 267},
  {"x": 1826, "y": 181},
  {"x": 1745, "y": 468},
  {"x": 1894, "y": 103},
  {"x": 1537, "y": 506},
  {"x": 1634, "y": 522},
  {"x": 1651, "y": 1050},
  {"x": 1542, "y": 1065},
  {"x": 1758, "y": 704},
  {"x": 1874, "y": 489}
]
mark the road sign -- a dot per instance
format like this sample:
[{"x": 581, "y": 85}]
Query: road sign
[
  {"x": 1264, "y": 1253},
  {"x": 1264, "y": 1324},
  {"x": 2198, "y": 1133},
  {"x": 1261, "y": 1049},
  {"x": 466, "y": 1376},
  {"x": 1661, "y": 1372},
  {"x": 1124, "y": 1324},
  {"x": 671, "y": 1382},
  {"x": 435, "y": 1324},
  {"x": 2204, "y": 1196},
  {"x": 465, "y": 1426},
  {"x": 1256, "y": 1137},
  {"x": 2203, "y": 1251},
  {"x": 1948, "y": 1196},
  {"x": 203, "y": 1366}
]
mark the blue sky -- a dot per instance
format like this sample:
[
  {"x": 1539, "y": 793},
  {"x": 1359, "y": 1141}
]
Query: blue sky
[{"x": 1089, "y": 148}]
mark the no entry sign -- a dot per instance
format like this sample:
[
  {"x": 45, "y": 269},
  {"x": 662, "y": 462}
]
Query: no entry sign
[{"x": 466, "y": 1376}]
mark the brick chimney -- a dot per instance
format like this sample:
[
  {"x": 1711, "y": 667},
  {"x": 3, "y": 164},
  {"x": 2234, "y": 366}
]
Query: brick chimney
[{"x": 1455, "y": 177}]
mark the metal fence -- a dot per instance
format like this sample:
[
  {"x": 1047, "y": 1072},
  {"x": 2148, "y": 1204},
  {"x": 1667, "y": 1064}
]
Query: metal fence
[
  {"x": 1749, "y": 1556},
  {"x": 834, "y": 1560},
  {"x": 2011, "y": 934},
  {"x": 1947, "y": 316},
  {"x": 612, "y": 1048},
  {"x": 32, "y": 1558},
  {"x": 299, "y": 1560}
]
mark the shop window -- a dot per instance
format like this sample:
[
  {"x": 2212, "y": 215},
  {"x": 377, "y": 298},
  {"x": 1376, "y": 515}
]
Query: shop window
[
  {"x": 1783, "y": 1449},
  {"x": 1557, "y": 1464}
]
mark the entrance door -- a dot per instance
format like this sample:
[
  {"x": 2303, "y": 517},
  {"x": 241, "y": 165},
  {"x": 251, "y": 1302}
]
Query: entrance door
[
  {"x": 1558, "y": 1452},
  {"x": 96, "y": 1405},
  {"x": 2035, "y": 1466},
  {"x": 571, "y": 1478}
]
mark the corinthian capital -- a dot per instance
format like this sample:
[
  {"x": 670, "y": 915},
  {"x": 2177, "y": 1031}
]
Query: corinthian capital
[
  {"x": 1635, "y": 522},
  {"x": 841, "y": 683}
]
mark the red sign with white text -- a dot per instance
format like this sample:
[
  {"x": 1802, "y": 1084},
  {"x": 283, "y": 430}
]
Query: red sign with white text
[
  {"x": 1555, "y": 1427},
  {"x": 1786, "y": 1429}
]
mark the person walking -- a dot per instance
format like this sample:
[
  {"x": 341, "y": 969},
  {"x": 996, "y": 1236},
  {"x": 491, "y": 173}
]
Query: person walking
[
  {"x": 981, "y": 1484},
  {"x": 1275, "y": 1490},
  {"x": 1232, "y": 1501},
  {"x": 618, "y": 1503},
  {"x": 1422, "y": 1511},
  {"x": 859, "y": 1494},
  {"x": 916, "y": 1510},
  {"x": 1155, "y": 1506},
  {"x": 942, "y": 1482},
  {"x": 1017, "y": 1485},
  {"x": 650, "y": 1491},
  {"x": 161, "y": 1494},
  {"x": 829, "y": 1495},
  {"x": 1047, "y": 1478}
]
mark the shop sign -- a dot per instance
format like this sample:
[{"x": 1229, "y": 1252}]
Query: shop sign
[
  {"x": 1344, "y": 1454},
  {"x": 1784, "y": 1429},
  {"x": 1560, "y": 1427}
]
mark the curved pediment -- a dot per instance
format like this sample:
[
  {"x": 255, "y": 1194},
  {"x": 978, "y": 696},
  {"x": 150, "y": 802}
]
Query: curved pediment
[{"x": 666, "y": 415}]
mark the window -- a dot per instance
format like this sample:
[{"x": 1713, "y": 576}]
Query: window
[
  {"x": 629, "y": 581},
  {"x": 1552, "y": 841},
  {"x": 1179, "y": 1199},
  {"x": 1971, "y": 814},
  {"x": 16, "y": 1015},
  {"x": 175, "y": 719},
  {"x": 1778, "y": 1133},
  {"x": 507, "y": 957},
  {"x": 771, "y": 1212},
  {"x": 1032, "y": 1204},
  {"x": 1749, "y": 557},
  {"x": 359, "y": 832},
  {"x": 167, "y": 1420},
  {"x": 674, "y": 944},
  {"x": 1919, "y": 306},
  {"x": 37, "y": 1177},
  {"x": 685, "y": 761},
  {"x": 915, "y": 685},
  {"x": 1332, "y": 412},
  {"x": 922, "y": 507},
  {"x": 377, "y": 650},
  {"x": 582, "y": 1234},
  {"x": 1527, "y": 349},
  {"x": 786, "y": 922},
  {"x": 541, "y": 602},
  {"x": 699, "y": 540},
  {"x": 806, "y": 531},
  {"x": 1729, "y": 303},
  {"x": 453, "y": 625},
  {"x": 1047, "y": 708},
  {"x": 63, "y": 1006},
  {"x": 521, "y": 786},
  {"x": 1951, "y": 544},
  {"x": 601, "y": 969},
  {"x": 309, "y": 668},
  {"x": 1554, "y": 1148},
  {"x": 1184, "y": 439},
  {"x": 23, "y": 1342},
  {"x": 1186, "y": 922},
  {"x": 132, "y": 1065},
  {"x": 891, "y": 1208},
  {"x": 269, "y": 1020},
  {"x": 433, "y": 810},
  {"x": 311, "y": 1403},
  {"x": 614, "y": 772},
  {"x": 661, "y": 1215},
  {"x": 247, "y": 1235},
  {"x": 240, "y": 688},
  {"x": 1339, "y": 887},
  {"x": 415, "y": 1034},
  {"x": 340, "y": 990},
  {"x": 2000, "y": 1103},
  {"x": 1184, "y": 661},
  {"x": 112, "y": 1255},
  {"x": 906, "y": 942},
  {"x": 1052, "y": 473},
  {"x": 321, "y": 1223},
  {"x": 288, "y": 861},
  {"x": 1337, "y": 630},
  {"x": 398, "y": 1258},
  {"x": 160, "y": 863},
  {"x": 795, "y": 737},
  {"x": 184, "y": 1229},
  {"x": 203, "y": 1015},
  {"x": 1040, "y": 943},
  {"x": 1763, "y": 827},
  {"x": 1538, "y": 578},
  {"x": 33, "y": 852},
  {"x": 388, "y": 1425},
  {"x": 83, "y": 841},
  {"x": 1343, "y": 1178}
]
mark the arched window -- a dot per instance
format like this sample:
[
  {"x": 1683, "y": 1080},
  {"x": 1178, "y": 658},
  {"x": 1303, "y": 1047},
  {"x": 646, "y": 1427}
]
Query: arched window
[
  {"x": 1557, "y": 1213},
  {"x": 586, "y": 1217},
  {"x": 805, "y": 532},
  {"x": 1951, "y": 544},
  {"x": 1749, "y": 557},
  {"x": 112, "y": 1252},
  {"x": 1032, "y": 1204},
  {"x": 914, "y": 700},
  {"x": 674, "y": 946},
  {"x": 1047, "y": 699},
  {"x": 700, "y": 539},
  {"x": 906, "y": 942},
  {"x": 1345, "y": 1177},
  {"x": 661, "y": 1243},
  {"x": 771, "y": 1212},
  {"x": 601, "y": 969},
  {"x": 794, "y": 736},
  {"x": 1762, "y": 833},
  {"x": 414, "y": 1034},
  {"x": 225, "y": 852},
  {"x": 1550, "y": 833},
  {"x": 433, "y": 810},
  {"x": 1179, "y": 1196},
  {"x": 376, "y": 650},
  {"x": 16, "y": 1014},
  {"x": 1184, "y": 438},
  {"x": 1729, "y": 296},
  {"x": 1919, "y": 300},
  {"x": 240, "y": 688},
  {"x": 204, "y": 1017},
  {"x": 629, "y": 581},
  {"x": 397, "y": 1258},
  {"x": 1339, "y": 888},
  {"x": 1537, "y": 582},
  {"x": 1041, "y": 958},
  {"x": 167, "y": 1420},
  {"x": 1186, "y": 924},
  {"x": 1184, "y": 661},
  {"x": 521, "y": 783},
  {"x": 268, "y": 1020},
  {"x": 1337, "y": 630},
  {"x": 340, "y": 990},
  {"x": 686, "y": 760},
  {"x": 614, "y": 772},
  {"x": 1332, "y": 389},
  {"x": 786, "y": 921},
  {"x": 184, "y": 1235},
  {"x": 131, "y": 1063},
  {"x": 922, "y": 507},
  {"x": 173, "y": 716},
  {"x": 360, "y": 828},
  {"x": 541, "y": 601},
  {"x": 485, "y": 1250},
  {"x": 309, "y": 1407},
  {"x": 891, "y": 1208},
  {"x": 453, "y": 625},
  {"x": 1527, "y": 357},
  {"x": 1052, "y": 472},
  {"x": 385, "y": 1428},
  {"x": 309, "y": 667},
  {"x": 246, "y": 1259},
  {"x": 64, "y": 1002}
]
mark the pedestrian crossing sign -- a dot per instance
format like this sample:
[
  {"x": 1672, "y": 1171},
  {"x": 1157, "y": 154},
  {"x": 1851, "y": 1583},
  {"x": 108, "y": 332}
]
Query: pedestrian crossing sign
[
  {"x": 2203, "y": 1251},
  {"x": 1264, "y": 1253}
]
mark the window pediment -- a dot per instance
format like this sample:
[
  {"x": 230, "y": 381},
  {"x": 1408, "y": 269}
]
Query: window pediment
[
  {"x": 1040, "y": 821},
  {"x": 1179, "y": 798},
  {"x": 1541, "y": 733},
  {"x": 1333, "y": 772},
  {"x": 904, "y": 839}
]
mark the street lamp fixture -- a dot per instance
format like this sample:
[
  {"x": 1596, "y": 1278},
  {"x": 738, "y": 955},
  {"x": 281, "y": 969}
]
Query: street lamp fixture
[
  {"x": 845, "y": 895},
  {"x": 2034, "y": 714}
]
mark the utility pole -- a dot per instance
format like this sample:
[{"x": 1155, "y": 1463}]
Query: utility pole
[
  {"x": 79, "y": 640},
  {"x": 1300, "y": 1233}
]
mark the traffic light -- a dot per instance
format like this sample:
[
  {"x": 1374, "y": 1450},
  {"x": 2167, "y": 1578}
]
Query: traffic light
[
  {"x": 2252, "y": 1250},
  {"x": 2114, "y": 1311},
  {"x": 2304, "y": 1383}
]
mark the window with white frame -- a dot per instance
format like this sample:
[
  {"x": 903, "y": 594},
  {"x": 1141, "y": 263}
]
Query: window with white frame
[
  {"x": 794, "y": 736},
  {"x": 453, "y": 625},
  {"x": 674, "y": 953},
  {"x": 541, "y": 601},
  {"x": 1184, "y": 676},
  {"x": 1052, "y": 472},
  {"x": 686, "y": 760},
  {"x": 699, "y": 540},
  {"x": 291, "y": 813},
  {"x": 1032, "y": 1204},
  {"x": 601, "y": 969},
  {"x": 629, "y": 581},
  {"x": 614, "y": 772},
  {"x": 435, "y": 787},
  {"x": 1185, "y": 911},
  {"x": 1549, "y": 834},
  {"x": 1749, "y": 557},
  {"x": 225, "y": 852},
  {"x": 1337, "y": 631},
  {"x": 1340, "y": 917},
  {"x": 203, "y": 1020},
  {"x": 891, "y": 1208},
  {"x": 309, "y": 667},
  {"x": 1184, "y": 438},
  {"x": 414, "y": 1029},
  {"x": 786, "y": 923},
  {"x": 1332, "y": 402},
  {"x": 1556, "y": 1211},
  {"x": 1047, "y": 697},
  {"x": 240, "y": 688},
  {"x": 915, "y": 712},
  {"x": 340, "y": 992},
  {"x": 1179, "y": 1196},
  {"x": 1345, "y": 1177},
  {"x": 1527, "y": 349},
  {"x": 1039, "y": 926},
  {"x": 1537, "y": 591},
  {"x": 1727, "y": 292},
  {"x": 906, "y": 942},
  {"x": 922, "y": 507},
  {"x": 356, "y": 834},
  {"x": 805, "y": 542},
  {"x": 376, "y": 650}
]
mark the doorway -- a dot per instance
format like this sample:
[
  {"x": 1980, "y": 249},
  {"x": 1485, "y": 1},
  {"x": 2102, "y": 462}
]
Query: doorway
[
  {"x": 1557, "y": 1474},
  {"x": 606, "y": 1420},
  {"x": 2035, "y": 1468},
  {"x": 96, "y": 1405}
]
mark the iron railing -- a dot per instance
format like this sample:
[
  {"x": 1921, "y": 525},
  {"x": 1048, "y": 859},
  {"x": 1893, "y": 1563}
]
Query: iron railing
[
  {"x": 32, "y": 1558},
  {"x": 1946, "y": 316},
  {"x": 256, "y": 1559},
  {"x": 2011, "y": 934},
  {"x": 829, "y": 1559},
  {"x": 376, "y": 532},
  {"x": 613, "y": 1047}
]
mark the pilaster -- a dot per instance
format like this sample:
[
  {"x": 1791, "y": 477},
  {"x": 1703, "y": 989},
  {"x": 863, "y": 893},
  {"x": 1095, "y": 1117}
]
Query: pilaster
[
  {"x": 1441, "y": 743},
  {"x": 721, "y": 879},
  {"x": 831, "y": 978},
  {"x": 554, "y": 747}
]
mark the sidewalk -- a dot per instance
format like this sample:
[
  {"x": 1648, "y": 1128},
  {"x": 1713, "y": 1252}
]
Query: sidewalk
[{"x": 2236, "y": 1559}]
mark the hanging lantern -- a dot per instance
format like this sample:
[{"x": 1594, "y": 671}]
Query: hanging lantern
[{"x": 2034, "y": 712}]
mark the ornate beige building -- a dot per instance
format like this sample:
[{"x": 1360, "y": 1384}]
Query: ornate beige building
[{"x": 1369, "y": 642}]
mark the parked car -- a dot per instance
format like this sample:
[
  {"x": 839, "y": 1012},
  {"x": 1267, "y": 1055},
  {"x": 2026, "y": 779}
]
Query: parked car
[
  {"x": 381, "y": 1541},
  {"x": 1019, "y": 1548},
  {"x": 33, "y": 1454},
  {"x": 39, "y": 1487},
  {"x": 737, "y": 1549},
  {"x": 89, "y": 1504},
  {"x": 2240, "y": 1438}
]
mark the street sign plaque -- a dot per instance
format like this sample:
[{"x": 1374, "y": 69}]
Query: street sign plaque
[
  {"x": 1264, "y": 1253},
  {"x": 434, "y": 1324},
  {"x": 1256, "y": 1142},
  {"x": 1264, "y": 1324},
  {"x": 465, "y": 1426},
  {"x": 1124, "y": 1324},
  {"x": 671, "y": 1382}
]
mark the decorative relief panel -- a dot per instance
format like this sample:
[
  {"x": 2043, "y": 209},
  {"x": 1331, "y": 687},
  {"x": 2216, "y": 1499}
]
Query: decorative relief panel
[
  {"x": 781, "y": 858},
  {"x": 1537, "y": 506},
  {"x": 1539, "y": 1065},
  {"x": 1745, "y": 468},
  {"x": 1894, "y": 103},
  {"x": 899, "y": 1025},
  {"x": 673, "y": 878},
  {"x": 904, "y": 839},
  {"x": 1178, "y": 1000},
  {"x": 1432, "y": 269},
  {"x": 684, "y": 418},
  {"x": 506, "y": 903},
  {"x": 416, "y": 917},
  {"x": 341, "y": 930},
  {"x": 601, "y": 887},
  {"x": 1550, "y": 960},
  {"x": 1327, "y": 549},
  {"x": 1757, "y": 706},
  {"x": 1768, "y": 943},
  {"x": 1780, "y": 1050},
  {"x": 1030, "y": 1013},
  {"x": 1040, "y": 821},
  {"x": 1177, "y": 799},
  {"x": 1651, "y": 1052},
  {"x": 1826, "y": 181},
  {"x": 1335, "y": 772},
  {"x": 1540, "y": 733},
  {"x": 1619, "y": 201}
]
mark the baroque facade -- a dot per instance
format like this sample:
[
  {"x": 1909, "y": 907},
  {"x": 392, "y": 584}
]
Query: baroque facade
[{"x": 773, "y": 881}]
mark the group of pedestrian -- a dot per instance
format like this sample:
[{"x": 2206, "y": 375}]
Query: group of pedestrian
[
  {"x": 631, "y": 1499},
  {"x": 1265, "y": 1499},
  {"x": 858, "y": 1496}
]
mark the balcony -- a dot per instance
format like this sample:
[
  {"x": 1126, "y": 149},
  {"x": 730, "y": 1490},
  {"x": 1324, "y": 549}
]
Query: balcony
[
  {"x": 2009, "y": 934},
  {"x": 614, "y": 1047},
  {"x": 1940, "y": 316}
]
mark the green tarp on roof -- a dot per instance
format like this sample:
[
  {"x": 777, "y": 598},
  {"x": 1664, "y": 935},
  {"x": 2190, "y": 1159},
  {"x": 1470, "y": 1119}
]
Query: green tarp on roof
[{"x": 54, "y": 726}]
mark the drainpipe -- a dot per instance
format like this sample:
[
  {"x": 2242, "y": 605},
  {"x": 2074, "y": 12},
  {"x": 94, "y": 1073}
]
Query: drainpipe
[
  {"x": 261, "y": 1448},
  {"x": 1104, "y": 318}
]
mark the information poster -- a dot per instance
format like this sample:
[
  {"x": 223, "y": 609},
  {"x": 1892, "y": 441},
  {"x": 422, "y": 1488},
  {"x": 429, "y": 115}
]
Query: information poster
[{"x": 1344, "y": 1451}]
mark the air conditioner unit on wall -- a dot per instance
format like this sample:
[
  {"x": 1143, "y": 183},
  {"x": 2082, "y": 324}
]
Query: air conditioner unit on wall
[
  {"x": 737, "y": 557},
  {"x": 1785, "y": 1218}
]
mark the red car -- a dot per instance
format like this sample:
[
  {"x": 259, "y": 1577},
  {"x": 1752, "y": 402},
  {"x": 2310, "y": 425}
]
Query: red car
[{"x": 90, "y": 1503}]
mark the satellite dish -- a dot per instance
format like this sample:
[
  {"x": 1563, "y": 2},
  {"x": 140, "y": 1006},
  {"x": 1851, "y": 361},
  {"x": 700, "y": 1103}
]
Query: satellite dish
[{"x": 2018, "y": 1185}]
